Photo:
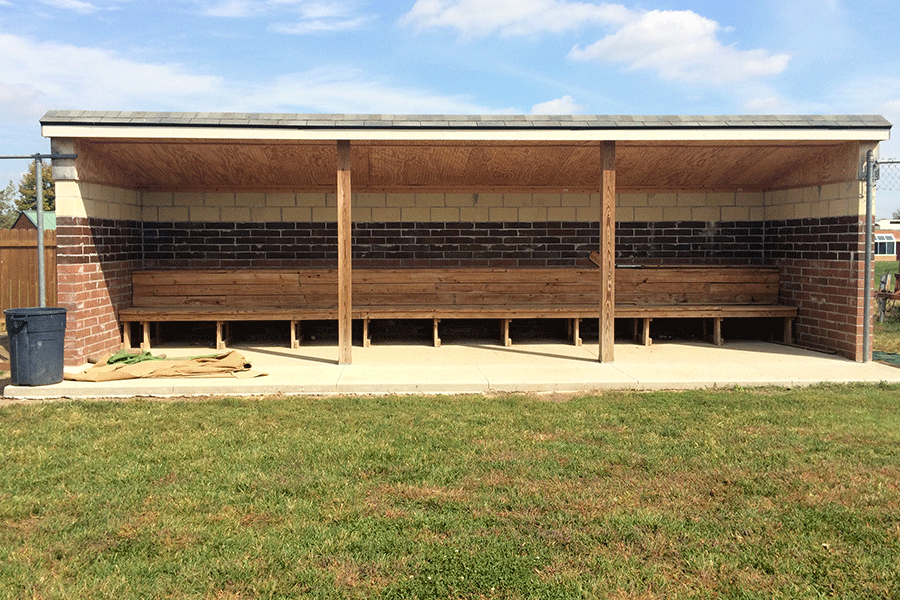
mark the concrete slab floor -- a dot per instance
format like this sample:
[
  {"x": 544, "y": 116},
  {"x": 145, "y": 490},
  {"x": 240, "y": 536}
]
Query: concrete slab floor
[{"x": 489, "y": 368}]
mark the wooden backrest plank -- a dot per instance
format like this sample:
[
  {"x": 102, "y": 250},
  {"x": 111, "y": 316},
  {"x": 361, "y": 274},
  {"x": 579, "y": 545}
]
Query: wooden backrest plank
[
  {"x": 315, "y": 288},
  {"x": 202, "y": 276},
  {"x": 238, "y": 302}
]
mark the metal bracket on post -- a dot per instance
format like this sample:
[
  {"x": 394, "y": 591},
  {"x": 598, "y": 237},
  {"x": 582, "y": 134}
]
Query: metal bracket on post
[{"x": 864, "y": 171}]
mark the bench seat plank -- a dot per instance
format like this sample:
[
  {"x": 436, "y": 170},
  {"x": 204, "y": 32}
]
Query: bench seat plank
[{"x": 187, "y": 313}]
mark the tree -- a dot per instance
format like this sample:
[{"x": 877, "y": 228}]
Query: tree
[
  {"x": 8, "y": 210},
  {"x": 896, "y": 214},
  {"x": 27, "y": 195}
]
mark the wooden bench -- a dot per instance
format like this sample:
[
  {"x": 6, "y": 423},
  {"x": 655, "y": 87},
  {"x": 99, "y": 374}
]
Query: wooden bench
[
  {"x": 294, "y": 296},
  {"x": 887, "y": 296}
]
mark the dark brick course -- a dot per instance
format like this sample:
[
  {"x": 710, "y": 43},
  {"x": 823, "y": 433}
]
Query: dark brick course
[{"x": 409, "y": 244}]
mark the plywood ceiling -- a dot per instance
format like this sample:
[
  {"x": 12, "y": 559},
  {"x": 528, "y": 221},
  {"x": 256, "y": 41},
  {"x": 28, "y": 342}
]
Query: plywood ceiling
[{"x": 173, "y": 165}]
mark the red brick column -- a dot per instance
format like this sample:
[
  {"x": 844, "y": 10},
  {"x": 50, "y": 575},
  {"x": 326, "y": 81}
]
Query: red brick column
[
  {"x": 94, "y": 263},
  {"x": 830, "y": 297},
  {"x": 822, "y": 273}
]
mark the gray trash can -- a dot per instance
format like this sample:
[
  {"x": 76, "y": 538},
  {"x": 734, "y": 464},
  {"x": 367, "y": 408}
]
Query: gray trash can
[{"x": 36, "y": 344}]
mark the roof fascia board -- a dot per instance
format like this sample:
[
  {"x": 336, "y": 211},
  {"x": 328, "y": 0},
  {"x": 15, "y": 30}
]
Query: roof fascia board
[{"x": 456, "y": 134}]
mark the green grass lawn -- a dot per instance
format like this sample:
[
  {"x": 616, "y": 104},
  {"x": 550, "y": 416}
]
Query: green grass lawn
[{"x": 712, "y": 494}]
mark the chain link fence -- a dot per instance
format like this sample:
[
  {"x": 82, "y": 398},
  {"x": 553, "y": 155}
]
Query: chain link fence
[{"x": 887, "y": 175}]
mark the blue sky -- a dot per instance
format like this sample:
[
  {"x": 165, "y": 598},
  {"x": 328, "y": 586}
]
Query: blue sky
[{"x": 445, "y": 56}]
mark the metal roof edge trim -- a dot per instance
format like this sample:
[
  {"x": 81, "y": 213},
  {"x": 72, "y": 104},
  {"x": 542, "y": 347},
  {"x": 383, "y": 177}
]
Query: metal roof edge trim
[
  {"x": 524, "y": 134},
  {"x": 459, "y": 122}
]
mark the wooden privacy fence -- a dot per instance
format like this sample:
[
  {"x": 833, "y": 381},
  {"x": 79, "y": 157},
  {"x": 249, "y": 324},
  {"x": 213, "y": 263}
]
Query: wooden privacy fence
[{"x": 19, "y": 268}]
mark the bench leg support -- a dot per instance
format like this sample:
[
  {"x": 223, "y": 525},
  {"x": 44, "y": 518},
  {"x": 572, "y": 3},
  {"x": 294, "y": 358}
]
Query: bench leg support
[
  {"x": 642, "y": 331},
  {"x": 367, "y": 341},
  {"x": 220, "y": 335},
  {"x": 437, "y": 338},
  {"x": 126, "y": 336},
  {"x": 505, "y": 332},
  {"x": 717, "y": 331},
  {"x": 789, "y": 330},
  {"x": 576, "y": 331},
  {"x": 294, "y": 343},
  {"x": 145, "y": 333}
]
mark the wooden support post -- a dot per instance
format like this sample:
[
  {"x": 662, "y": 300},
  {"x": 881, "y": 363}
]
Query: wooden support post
[
  {"x": 645, "y": 331},
  {"x": 437, "y": 338},
  {"x": 367, "y": 341},
  {"x": 220, "y": 335},
  {"x": 294, "y": 343},
  {"x": 789, "y": 330},
  {"x": 607, "y": 251},
  {"x": 505, "y": 332},
  {"x": 345, "y": 277},
  {"x": 145, "y": 331},
  {"x": 576, "y": 331},
  {"x": 717, "y": 331},
  {"x": 126, "y": 336}
]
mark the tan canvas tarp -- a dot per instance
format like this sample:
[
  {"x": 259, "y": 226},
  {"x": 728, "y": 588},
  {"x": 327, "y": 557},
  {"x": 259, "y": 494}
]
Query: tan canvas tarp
[{"x": 228, "y": 364}]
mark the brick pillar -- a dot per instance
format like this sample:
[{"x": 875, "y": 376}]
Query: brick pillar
[
  {"x": 95, "y": 259},
  {"x": 822, "y": 274}
]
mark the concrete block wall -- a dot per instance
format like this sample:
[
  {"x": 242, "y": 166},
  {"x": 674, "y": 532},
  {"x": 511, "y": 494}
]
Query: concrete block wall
[
  {"x": 818, "y": 202},
  {"x": 832, "y": 200},
  {"x": 91, "y": 200},
  {"x": 281, "y": 207}
]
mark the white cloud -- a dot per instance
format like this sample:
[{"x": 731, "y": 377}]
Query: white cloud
[
  {"x": 676, "y": 45},
  {"x": 561, "y": 106},
  {"x": 314, "y": 10},
  {"x": 97, "y": 79},
  {"x": 230, "y": 8},
  {"x": 346, "y": 90},
  {"x": 76, "y": 5},
  {"x": 320, "y": 26},
  {"x": 316, "y": 17},
  {"x": 681, "y": 46},
  {"x": 767, "y": 101},
  {"x": 511, "y": 17},
  {"x": 292, "y": 16},
  {"x": 90, "y": 77}
]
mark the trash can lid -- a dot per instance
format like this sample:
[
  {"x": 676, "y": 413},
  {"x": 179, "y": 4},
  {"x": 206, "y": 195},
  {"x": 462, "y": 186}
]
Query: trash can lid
[{"x": 43, "y": 310}]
